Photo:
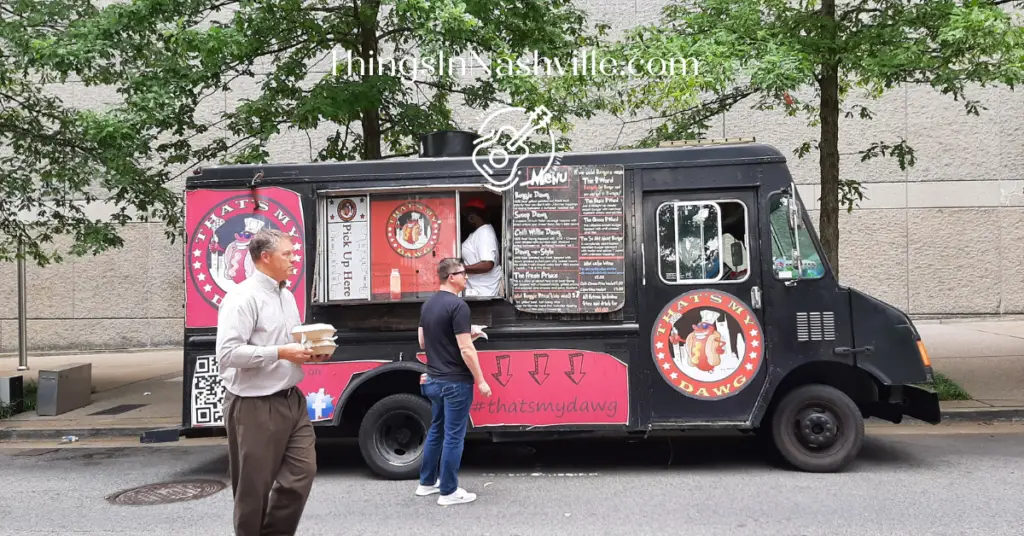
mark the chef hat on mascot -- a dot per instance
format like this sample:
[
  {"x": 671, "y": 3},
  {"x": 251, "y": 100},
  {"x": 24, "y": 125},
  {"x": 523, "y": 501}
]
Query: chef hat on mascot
[{"x": 709, "y": 317}]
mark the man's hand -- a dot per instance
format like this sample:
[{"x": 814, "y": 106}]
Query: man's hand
[
  {"x": 484, "y": 388},
  {"x": 294, "y": 352},
  {"x": 320, "y": 358}
]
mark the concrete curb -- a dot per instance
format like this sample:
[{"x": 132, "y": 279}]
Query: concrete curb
[
  {"x": 978, "y": 415},
  {"x": 983, "y": 414},
  {"x": 37, "y": 434},
  {"x": 928, "y": 319}
]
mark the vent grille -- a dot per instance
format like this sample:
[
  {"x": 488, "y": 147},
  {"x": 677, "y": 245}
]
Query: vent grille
[{"x": 815, "y": 327}]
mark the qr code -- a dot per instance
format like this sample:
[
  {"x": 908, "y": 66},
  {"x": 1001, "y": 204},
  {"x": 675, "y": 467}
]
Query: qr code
[{"x": 207, "y": 393}]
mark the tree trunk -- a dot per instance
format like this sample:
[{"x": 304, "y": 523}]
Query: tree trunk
[
  {"x": 370, "y": 120},
  {"x": 371, "y": 135},
  {"x": 828, "y": 150}
]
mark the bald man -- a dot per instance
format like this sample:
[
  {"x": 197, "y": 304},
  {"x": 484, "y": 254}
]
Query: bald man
[{"x": 480, "y": 252}]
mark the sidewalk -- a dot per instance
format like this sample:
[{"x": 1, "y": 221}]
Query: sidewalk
[
  {"x": 144, "y": 388},
  {"x": 986, "y": 359}
]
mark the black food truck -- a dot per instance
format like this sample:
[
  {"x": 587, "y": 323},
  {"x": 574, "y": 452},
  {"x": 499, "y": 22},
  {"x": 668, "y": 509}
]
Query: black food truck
[{"x": 641, "y": 291}]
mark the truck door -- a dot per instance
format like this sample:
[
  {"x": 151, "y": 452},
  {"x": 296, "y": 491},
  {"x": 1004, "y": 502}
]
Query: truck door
[{"x": 700, "y": 305}]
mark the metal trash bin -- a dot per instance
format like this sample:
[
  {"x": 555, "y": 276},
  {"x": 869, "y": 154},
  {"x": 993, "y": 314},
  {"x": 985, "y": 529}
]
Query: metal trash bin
[{"x": 64, "y": 388}]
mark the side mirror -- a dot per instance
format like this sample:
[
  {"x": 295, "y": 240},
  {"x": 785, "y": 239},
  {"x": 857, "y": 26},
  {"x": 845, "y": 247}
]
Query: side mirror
[
  {"x": 794, "y": 211},
  {"x": 736, "y": 250},
  {"x": 794, "y": 230}
]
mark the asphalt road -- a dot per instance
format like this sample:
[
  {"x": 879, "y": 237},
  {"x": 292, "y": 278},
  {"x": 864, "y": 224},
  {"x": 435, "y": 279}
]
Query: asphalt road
[{"x": 963, "y": 480}]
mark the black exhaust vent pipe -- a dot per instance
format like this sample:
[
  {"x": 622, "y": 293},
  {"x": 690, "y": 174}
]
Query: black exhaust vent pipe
[{"x": 447, "y": 143}]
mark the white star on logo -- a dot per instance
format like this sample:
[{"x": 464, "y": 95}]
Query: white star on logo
[
  {"x": 753, "y": 355},
  {"x": 673, "y": 375},
  {"x": 754, "y": 343},
  {"x": 666, "y": 366},
  {"x": 298, "y": 258},
  {"x": 753, "y": 333},
  {"x": 207, "y": 288},
  {"x": 296, "y": 246},
  {"x": 750, "y": 366},
  {"x": 201, "y": 277},
  {"x": 660, "y": 345},
  {"x": 288, "y": 284},
  {"x": 661, "y": 355},
  {"x": 197, "y": 265},
  {"x": 196, "y": 253}
]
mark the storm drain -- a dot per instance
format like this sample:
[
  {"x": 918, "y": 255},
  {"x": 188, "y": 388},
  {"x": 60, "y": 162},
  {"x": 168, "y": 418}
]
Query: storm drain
[{"x": 167, "y": 492}]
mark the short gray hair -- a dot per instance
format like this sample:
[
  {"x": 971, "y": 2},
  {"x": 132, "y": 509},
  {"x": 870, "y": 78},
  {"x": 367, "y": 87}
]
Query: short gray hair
[
  {"x": 265, "y": 240},
  {"x": 447, "y": 266}
]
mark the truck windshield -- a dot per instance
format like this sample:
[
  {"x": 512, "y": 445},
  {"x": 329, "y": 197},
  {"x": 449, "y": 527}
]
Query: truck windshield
[{"x": 782, "y": 244}]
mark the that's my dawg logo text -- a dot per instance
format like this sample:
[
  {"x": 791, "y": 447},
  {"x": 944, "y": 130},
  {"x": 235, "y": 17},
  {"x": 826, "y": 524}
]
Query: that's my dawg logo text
[
  {"x": 707, "y": 344},
  {"x": 218, "y": 256},
  {"x": 413, "y": 229}
]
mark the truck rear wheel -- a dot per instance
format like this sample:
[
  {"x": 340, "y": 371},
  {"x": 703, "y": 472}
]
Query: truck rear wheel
[
  {"x": 392, "y": 435},
  {"x": 818, "y": 428}
]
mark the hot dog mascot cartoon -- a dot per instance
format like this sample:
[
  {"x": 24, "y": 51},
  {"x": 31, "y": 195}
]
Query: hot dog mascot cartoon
[
  {"x": 238, "y": 265},
  {"x": 704, "y": 345}
]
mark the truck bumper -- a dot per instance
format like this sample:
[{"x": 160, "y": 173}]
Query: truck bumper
[{"x": 920, "y": 403}]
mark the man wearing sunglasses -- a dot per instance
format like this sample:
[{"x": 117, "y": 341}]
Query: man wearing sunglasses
[{"x": 453, "y": 368}]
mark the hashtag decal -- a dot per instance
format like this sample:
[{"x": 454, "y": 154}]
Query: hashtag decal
[{"x": 478, "y": 406}]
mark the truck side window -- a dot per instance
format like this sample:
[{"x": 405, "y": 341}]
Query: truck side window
[
  {"x": 782, "y": 244},
  {"x": 703, "y": 241}
]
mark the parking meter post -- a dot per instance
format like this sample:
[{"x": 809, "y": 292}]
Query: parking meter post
[{"x": 22, "y": 311}]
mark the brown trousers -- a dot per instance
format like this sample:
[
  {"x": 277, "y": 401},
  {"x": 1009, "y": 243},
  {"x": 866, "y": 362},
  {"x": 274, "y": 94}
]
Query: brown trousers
[{"x": 272, "y": 460}]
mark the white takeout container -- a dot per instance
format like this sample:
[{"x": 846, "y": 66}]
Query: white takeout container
[
  {"x": 313, "y": 332},
  {"x": 322, "y": 347}
]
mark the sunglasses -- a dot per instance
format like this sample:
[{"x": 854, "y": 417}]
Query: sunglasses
[{"x": 457, "y": 273}]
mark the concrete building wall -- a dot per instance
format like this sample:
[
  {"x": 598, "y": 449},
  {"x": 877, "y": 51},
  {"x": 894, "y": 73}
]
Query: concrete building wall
[{"x": 938, "y": 239}]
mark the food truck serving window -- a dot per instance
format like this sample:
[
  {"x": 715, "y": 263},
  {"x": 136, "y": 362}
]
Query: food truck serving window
[
  {"x": 385, "y": 247},
  {"x": 703, "y": 241},
  {"x": 561, "y": 242}
]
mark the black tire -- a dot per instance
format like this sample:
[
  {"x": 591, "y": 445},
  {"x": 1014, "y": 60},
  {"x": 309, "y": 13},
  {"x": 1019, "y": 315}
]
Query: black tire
[
  {"x": 392, "y": 434},
  {"x": 817, "y": 429}
]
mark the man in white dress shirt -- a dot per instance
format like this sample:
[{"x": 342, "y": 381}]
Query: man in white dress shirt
[
  {"x": 270, "y": 437},
  {"x": 480, "y": 252}
]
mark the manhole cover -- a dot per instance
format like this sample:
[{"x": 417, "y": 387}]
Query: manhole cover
[{"x": 168, "y": 492}]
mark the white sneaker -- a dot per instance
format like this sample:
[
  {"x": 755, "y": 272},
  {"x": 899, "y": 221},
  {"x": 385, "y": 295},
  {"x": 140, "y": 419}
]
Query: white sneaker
[
  {"x": 423, "y": 491},
  {"x": 460, "y": 496}
]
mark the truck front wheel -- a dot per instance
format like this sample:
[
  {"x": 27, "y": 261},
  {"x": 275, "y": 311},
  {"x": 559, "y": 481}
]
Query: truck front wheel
[
  {"x": 392, "y": 434},
  {"x": 817, "y": 428}
]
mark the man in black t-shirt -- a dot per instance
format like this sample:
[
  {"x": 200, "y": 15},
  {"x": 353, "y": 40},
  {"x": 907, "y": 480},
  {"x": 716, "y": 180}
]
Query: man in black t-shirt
[{"x": 446, "y": 335}]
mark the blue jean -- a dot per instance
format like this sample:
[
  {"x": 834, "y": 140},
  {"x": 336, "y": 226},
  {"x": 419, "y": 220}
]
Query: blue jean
[{"x": 449, "y": 403}]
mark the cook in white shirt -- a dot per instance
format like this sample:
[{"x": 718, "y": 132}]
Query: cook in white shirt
[{"x": 480, "y": 252}]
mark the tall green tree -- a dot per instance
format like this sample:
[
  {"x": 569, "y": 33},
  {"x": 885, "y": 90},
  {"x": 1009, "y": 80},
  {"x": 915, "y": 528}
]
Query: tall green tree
[
  {"x": 393, "y": 67},
  {"x": 55, "y": 160},
  {"x": 766, "y": 51},
  {"x": 396, "y": 69}
]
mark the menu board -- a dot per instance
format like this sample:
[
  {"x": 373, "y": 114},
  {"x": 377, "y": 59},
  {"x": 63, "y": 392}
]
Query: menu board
[{"x": 568, "y": 240}]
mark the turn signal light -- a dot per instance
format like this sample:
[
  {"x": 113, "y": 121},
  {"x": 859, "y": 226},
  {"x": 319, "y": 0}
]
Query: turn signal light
[{"x": 924, "y": 354}]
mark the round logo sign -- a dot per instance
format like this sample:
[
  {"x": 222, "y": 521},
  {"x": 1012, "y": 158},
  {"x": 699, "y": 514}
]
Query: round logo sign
[
  {"x": 413, "y": 229},
  {"x": 347, "y": 209},
  {"x": 707, "y": 344},
  {"x": 218, "y": 257}
]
